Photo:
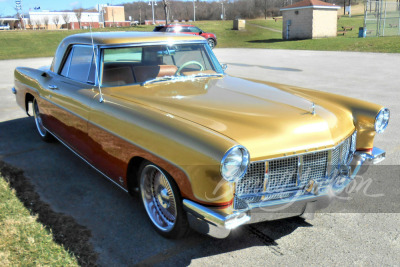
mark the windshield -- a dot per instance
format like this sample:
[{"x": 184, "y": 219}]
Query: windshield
[{"x": 143, "y": 64}]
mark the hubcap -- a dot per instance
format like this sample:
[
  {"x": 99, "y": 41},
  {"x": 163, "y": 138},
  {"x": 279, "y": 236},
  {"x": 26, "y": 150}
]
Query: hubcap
[
  {"x": 158, "y": 198},
  {"x": 211, "y": 43},
  {"x": 38, "y": 119}
]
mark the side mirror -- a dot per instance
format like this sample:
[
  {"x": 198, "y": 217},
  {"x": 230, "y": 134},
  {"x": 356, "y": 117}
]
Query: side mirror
[{"x": 224, "y": 67}]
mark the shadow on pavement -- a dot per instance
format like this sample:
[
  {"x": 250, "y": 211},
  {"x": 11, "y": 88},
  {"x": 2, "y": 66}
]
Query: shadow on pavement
[{"x": 120, "y": 231}]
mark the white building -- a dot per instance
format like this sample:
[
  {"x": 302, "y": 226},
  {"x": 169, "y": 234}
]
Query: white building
[{"x": 56, "y": 20}]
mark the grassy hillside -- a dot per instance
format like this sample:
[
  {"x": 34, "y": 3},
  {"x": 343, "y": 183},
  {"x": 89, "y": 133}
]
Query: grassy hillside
[{"x": 41, "y": 43}]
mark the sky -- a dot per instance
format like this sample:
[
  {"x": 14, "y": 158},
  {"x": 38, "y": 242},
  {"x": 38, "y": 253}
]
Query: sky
[{"x": 7, "y": 7}]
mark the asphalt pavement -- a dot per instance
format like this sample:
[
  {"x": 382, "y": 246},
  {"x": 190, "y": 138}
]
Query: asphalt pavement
[{"x": 346, "y": 234}]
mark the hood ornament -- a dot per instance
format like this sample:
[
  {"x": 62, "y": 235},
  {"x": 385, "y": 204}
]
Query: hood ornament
[{"x": 313, "y": 108}]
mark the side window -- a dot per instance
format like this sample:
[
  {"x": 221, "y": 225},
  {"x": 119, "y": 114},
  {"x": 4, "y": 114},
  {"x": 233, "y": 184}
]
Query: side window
[
  {"x": 67, "y": 63},
  {"x": 79, "y": 64},
  {"x": 185, "y": 29},
  {"x": 195, "y": 29}
]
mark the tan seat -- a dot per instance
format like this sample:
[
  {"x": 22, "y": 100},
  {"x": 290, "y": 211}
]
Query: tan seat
[
  {"x": 118, "y": 76},
  {"x": 144, "y": 73}
]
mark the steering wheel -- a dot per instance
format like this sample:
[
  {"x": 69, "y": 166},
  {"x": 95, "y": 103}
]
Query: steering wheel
[{"x": 178, "y": 72}]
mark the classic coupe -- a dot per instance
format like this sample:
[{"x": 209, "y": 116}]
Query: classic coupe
[{"x": 156, "y": 113}]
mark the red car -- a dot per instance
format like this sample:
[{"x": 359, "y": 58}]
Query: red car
[{"x": 188, "y": 29}]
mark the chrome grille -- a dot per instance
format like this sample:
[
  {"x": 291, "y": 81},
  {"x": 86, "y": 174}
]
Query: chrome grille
[
  {"x": 282, "y": 174},
  {"x": 314, "y": 167},
  {"x": 253, "y": 181},
  {"x": 335, "y": 161},
  {"x": 280, "y": 178},
  {"x": 345, "y": 147}
]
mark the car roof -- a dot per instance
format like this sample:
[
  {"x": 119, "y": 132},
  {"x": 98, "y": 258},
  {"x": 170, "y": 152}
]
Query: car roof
[
  {"x": 176, "y": 25},
  {"x": 118, "y": 38},
  {"x": 111, "y": 38}
]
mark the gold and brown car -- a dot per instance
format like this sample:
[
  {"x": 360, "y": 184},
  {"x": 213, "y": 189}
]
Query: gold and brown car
[{"x": 156, "y": 113}]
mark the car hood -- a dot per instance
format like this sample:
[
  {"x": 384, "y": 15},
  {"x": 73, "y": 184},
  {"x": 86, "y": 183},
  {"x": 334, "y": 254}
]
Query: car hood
[{"x": 268, "y": 121}]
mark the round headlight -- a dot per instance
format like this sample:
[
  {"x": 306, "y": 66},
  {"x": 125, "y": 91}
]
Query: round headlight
[
  {"x": 382, "y": 120},
  {"x": 234, "y": 163}
]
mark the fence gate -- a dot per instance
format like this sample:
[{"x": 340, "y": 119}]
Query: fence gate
[{"x": 382, "y": 18}]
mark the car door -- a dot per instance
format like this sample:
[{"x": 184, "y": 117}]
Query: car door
[{"x": 70, "y": 94}]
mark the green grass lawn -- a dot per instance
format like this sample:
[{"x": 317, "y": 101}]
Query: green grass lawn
[
  {"x": 269, "y": 22},
  {"x": 24, "y": 241},
  {"x": 41, "y": 43}
]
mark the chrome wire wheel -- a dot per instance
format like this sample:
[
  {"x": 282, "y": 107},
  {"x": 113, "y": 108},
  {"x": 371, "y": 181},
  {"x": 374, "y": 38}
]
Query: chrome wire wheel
[
  {"x": 38, "y": 120},
  {"x": 158, "y": 198}
]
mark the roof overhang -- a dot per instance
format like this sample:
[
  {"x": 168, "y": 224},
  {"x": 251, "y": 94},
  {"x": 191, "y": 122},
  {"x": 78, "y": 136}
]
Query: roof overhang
[{"x": 313, "y": 7}]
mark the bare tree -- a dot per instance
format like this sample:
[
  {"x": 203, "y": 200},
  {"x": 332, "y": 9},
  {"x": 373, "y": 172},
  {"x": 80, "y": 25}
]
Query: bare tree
[
  {"x": 30, "y": 23},
  {"x": 66, "y": 18},
  {"x": 39, "y": 24},
  {"x": 57, "y": 20},
  {"x": 166, "y": 5},
  {"x": 78, "y": 14},
  {"x": 263, "y": 5},
  {"x": 46, "y": 21}
]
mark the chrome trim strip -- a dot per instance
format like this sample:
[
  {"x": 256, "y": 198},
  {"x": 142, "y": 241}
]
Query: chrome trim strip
[
  {"x": 82, "y": 158},
  {"x": 299, "y": 170}
]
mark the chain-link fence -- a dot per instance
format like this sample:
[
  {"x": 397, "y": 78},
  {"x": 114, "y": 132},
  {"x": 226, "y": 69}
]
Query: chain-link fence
[{"x": 381, "y": 18}]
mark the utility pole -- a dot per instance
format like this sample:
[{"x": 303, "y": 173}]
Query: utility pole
[
  {"x": 194, "y": 11},
  {"x": 153, "y": 3},
  {"x": 223, "y": 10}
]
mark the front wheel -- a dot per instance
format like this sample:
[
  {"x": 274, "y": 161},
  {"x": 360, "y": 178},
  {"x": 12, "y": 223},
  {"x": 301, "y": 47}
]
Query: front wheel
[
  {"x": 211, "y": 43},
  {"x": 162, "y": 202},
  {"x": 43, "y": 133}
]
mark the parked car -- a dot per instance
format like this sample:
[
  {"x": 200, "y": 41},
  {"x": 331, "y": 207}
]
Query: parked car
[
  {"x": 156, "y": 113},
  {"x": 4, "y": 26},
  {"x": 188, "y": 29}
]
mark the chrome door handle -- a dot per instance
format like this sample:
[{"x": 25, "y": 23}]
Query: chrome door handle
[{"x": 53, "y": 87}]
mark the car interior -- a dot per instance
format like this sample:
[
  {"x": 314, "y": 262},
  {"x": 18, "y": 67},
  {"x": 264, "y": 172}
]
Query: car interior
[{"x": 147, "y": 63}]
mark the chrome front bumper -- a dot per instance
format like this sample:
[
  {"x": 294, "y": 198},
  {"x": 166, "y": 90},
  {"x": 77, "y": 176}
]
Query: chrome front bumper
[{"x": 216, "y": 223}]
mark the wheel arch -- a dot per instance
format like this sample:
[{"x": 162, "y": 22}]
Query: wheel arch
[
  {"x": 132, "y": 174},
  {"x": 28, "y": 98}
]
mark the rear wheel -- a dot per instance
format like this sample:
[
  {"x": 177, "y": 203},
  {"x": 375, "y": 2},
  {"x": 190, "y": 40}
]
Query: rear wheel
[
  {"x": 43, "y": 133},
  {"x": 162, "y": 201},
  {"x": 211, "y": 43}
]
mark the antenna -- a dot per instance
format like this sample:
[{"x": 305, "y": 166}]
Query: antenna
[{"x": 101, "y": 100}]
